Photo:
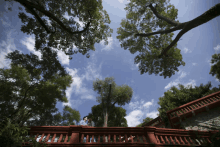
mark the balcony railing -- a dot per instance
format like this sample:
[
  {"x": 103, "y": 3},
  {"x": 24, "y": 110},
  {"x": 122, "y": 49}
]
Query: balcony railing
[
  {"x": 192, "y": 108},
  {"x": 144, "y": 136}
]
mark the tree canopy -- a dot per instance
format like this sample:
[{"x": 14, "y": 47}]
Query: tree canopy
[
  {"x": 54, "y": 24},
  {"x": 145, "y": 121},
  {"x": 158, "y": 53},
  {"x": 175, "y": 97},
  {"x": 48, "y": 119},
  {"x": 110, "y": 93},
  {"x": 115, "y": 118},
  {"x": 22, "y": 85}
]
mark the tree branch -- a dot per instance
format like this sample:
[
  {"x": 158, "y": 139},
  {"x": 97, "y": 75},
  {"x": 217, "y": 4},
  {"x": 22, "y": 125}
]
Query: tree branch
[
  {"x": 168, "y": 20},
  {"x": 40, "y": 20},
  {"x": 186, "y": 26},
  {"x": 205, "y": 17},
  {"x": 181, "y": 26},
  {"x": 21, "y": 102},
  {"x": 27, "y": 4}
]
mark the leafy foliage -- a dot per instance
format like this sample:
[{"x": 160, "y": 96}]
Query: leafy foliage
[
  {"x": 115, "y": 118},
  {"x": 140, "y": 19},
  {"x": 215, "y": 69},
  {"x": 145, "y": 121},
  {"x": 14, "y": 135},
  {"x": 109, "y": 92},
  {"x": 54, "y": 24},
  {"x": 158, "y": 52},
  {"x": 175, "y": 97},
  {"x": 30, "y": 89},
  {"x": 36, "y": 94},
  {"x": 47, "y": 119}
]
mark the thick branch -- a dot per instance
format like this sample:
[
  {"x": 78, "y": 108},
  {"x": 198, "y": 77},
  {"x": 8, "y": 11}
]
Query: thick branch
[
  {"x": 47, "y": 13},
  {"x": 168, "y": 20},
  {"x": 39, "y": 19},
  {"x": 181, "y": 26},
  {"x": 205, "y": 17}
]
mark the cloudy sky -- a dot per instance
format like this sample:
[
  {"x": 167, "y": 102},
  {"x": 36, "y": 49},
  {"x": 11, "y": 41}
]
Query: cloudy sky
[{"x": 197, "y": 46}]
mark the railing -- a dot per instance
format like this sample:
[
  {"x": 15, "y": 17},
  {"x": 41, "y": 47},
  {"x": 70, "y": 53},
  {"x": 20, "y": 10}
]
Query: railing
[
  {"x": 157, "y": 122},
  {"x": 144, "y": 136},
  {"x": 192, "y": 108}
]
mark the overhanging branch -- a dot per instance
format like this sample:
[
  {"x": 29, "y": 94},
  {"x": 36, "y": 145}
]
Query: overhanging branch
[
  {"x": 186, "y": 26},
  {"x": 39, "y": 19},
  {"x": 27, "y": 4},
  {"x": 168, "y": 20}
]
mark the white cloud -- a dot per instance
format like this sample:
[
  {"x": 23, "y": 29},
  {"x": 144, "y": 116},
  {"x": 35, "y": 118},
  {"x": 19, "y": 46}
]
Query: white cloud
[
  {"x": 209, "y": 61},
  {"x": 121, "y": 1},
  {"x": 175, "y": 83},
  {"x": 116, "y": 4},
  {"x": 109, "y": 46},
  {"x": 186, "y": 50},
  {"x": 183, "y": 74},
  {"x": 134, "y": 117},
  {"x": 131, "y": 63},
  {"x": 5, "y": 48},
  {"x": 92, "y": 71},
  {"x": 78, "y": 88},
  {"x": 148, "y": 104},
  {"x": 135, "y": 105},
  {"x": 135, "y": 96},
  {"x": 217, "y": 48},
  {"x": 63, "y": 58},
  {"x": 191, "y": 82},
  {"x": 172, "y": 83},
  {"x": 140, "y": 104},
  {"x": 153, "y": 114},
  {"x": 194, "y": 64},
  {"x": 29, "y": 42}
]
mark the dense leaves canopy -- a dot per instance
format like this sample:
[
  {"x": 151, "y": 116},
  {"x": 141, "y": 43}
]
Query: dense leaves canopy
[
  {"x": 148, "y": 29},
  {"x": 175, "y": 97},
  {"x": 54, "y": 24},
  {"x": 115, "y": 118},
  {"x": 31, "y": 88}
]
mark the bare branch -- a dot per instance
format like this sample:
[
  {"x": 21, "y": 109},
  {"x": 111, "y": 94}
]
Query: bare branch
[{"x": 168, "y": 20}]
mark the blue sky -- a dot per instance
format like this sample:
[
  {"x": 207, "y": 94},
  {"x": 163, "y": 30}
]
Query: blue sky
[{"x": 197, "y": 46}]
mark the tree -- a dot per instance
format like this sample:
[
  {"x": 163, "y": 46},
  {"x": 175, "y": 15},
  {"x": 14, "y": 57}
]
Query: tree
[
  {"x": 47, "y": 119},
  {"x": 13, "y": 135},
  {"x": 215, "y": 68},
  {"x": 111, "y": 93},
  {"x": 158, "y": 52},
  {"x": 34, "y": 94},
  {"x": 52, "y": 29},
  {"x": 175, "y": 97},
  {"x": 115, "y": 117},
  {"x": 145, "y": 121}
]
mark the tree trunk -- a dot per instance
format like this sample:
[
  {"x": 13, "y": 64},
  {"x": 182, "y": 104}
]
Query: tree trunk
[{"x": 105, "y": 122}]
